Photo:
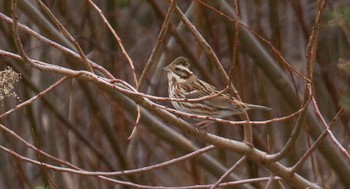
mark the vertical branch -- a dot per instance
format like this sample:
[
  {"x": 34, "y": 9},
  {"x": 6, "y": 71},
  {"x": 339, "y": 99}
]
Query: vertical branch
[
  {"x": 235, "y": 42},
  {"x": 28, "y": 60},
  {"x": 312, "y": 45},
  {"x": 295, "y": 133},
  {"x": 131, "y": 64},
  {"x": 156, "y": 49},
  {"x": 308, "y": 91},
  {"x": 15, "y": 33},
  {"x": 152, "y": 59},
  {"x": 248, "y": 130}
]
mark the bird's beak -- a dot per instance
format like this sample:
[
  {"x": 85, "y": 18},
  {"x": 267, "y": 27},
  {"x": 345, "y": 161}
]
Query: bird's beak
[{"x": 167, "y": 69}]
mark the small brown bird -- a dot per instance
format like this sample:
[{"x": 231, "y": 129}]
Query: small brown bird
[{"x": 184, "y": 84}]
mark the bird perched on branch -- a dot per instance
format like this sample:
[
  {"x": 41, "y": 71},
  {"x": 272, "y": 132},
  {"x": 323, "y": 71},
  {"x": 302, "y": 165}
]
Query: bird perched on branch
[{"x": 184, "y": 84}]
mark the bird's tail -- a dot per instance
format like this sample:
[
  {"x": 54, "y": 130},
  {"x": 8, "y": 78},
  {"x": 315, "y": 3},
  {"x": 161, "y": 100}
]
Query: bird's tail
[{"x": 258, "y": 107}]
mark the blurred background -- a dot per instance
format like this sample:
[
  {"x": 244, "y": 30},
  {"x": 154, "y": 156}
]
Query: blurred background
[{"x": 81, "y": 123}]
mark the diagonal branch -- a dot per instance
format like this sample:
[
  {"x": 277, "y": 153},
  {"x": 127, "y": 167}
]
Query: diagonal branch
[
  {"x": 299, "y": 164},
  {"x": 239, "y": 162},
  {"x": 67, "y": 34}
]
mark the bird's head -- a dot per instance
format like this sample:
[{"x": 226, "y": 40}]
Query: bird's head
[{"x": 179, "y": 70}]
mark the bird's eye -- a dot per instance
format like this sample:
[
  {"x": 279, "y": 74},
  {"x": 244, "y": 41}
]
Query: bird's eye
[{"x": 177, "y": 69}]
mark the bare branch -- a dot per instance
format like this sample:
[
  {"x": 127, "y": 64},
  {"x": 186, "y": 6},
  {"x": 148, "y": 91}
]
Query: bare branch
[
  {"x": 66, "y": 33},
  {"x": 29, "y": 101},
  {"x": 239, "y": 162}
]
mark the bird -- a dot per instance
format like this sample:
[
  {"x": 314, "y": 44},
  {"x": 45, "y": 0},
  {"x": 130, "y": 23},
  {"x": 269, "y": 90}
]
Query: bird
[{"x": 184, "y": 84}]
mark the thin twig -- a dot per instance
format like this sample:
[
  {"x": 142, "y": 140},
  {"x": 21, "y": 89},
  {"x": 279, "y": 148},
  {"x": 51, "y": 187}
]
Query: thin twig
[
  {"x": 29, "y": 101},
  {"x": 269, "y": 183},
  {"x": 334, "y": 139},
  {"x": 15, "y": 33},
  {"x": 130, "y": 62},
  {"x": 239, "y": 162},
  {"x": 295, "y": 133},
  {"x": 235, "y": 42},
  {"x": 138, "y": 118},
  {"x": 152, "y": 60},
  {"x": 157, "y": 47},
  {"x": 115, "y": 35},
  {"x": 312, "y": 156},
  {"x": 299, "y": 164}
]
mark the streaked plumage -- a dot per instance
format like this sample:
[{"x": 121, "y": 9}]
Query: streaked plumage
[{"x": 184, "y": 84}]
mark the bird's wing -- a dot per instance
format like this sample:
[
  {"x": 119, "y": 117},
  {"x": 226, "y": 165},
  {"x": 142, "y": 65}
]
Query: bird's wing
[
  {"x": 201, "y": 89},
  {"x": 197, "y": 89},
  {"x": 222, "y": 101}
]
